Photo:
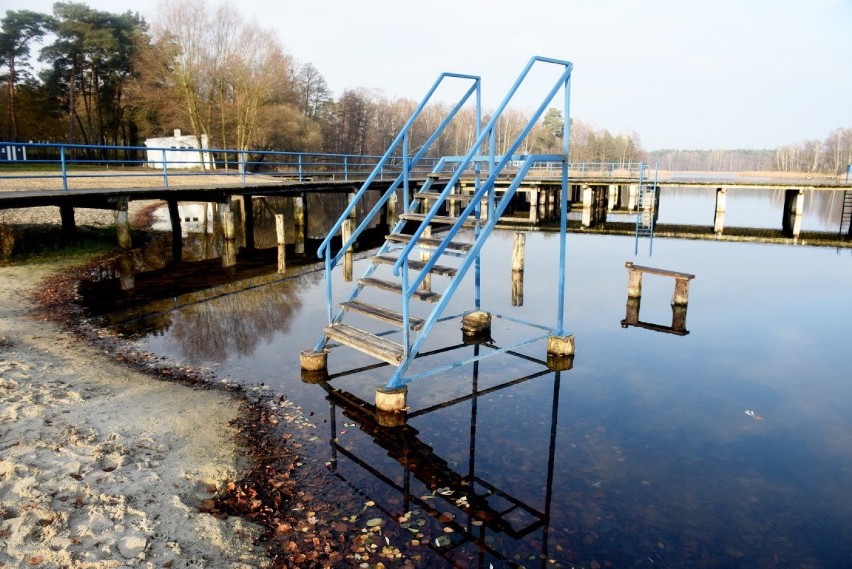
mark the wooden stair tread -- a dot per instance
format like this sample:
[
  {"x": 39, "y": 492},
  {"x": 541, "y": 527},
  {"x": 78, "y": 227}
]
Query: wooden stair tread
[
  {"x": 417, "y": 265},
  {"x": 429, "y": 241},
  {"x": 441, "y": 219},
  {"x": 378, "y": 347},
  {"x": 382, "y": 313},
  {"x": 397, "y": 288}
]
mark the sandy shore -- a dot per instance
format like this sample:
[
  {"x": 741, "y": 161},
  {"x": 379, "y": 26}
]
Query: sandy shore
[{"x": 102, "y": 466}]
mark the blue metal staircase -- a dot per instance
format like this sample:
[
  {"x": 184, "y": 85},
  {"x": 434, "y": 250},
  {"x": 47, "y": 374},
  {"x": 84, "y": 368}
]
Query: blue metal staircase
[
  {"x": 646, "y": 208},
  {"x": 414, "y": 275}
]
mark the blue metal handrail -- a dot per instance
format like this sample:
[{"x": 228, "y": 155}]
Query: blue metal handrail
[
  {"x": 495, "y": 210},
  {"x": 408, "y": 164},
  {"x": 494, "y": 171},
  {"x": 166, "y": 162}
]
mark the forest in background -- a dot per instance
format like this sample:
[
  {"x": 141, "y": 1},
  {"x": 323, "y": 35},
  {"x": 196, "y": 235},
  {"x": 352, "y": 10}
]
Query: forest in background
[{"x": 80, "y": 75}]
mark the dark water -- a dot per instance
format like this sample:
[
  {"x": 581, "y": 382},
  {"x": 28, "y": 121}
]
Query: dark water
[{"x": 641, "y": 455}]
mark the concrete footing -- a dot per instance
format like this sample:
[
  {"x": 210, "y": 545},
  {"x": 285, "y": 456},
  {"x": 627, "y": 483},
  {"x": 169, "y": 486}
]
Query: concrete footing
[
  {"x": 310, "y": 360},
  {"x": 391, "y": 400},
  {"x": 476, "y": 327},
  {"x": 560, "y": 346}
]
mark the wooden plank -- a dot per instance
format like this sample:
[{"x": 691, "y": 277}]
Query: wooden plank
[
  {"x": 397, "y": 288},
  {"x": 661, "y": 272},
  {"x": 416, "y": 265},
  {"x": 442, "y": 220},
  {"x": 370, "y": 344},
  {"x": 429, "y": 242},
  {"x": 383, "y": 314}
]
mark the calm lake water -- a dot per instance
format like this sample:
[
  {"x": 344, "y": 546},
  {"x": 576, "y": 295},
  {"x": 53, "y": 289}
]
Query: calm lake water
[{"x": 641, "y": 455}]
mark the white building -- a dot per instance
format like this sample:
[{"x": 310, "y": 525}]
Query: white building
[{"x": 179, "y": 151}]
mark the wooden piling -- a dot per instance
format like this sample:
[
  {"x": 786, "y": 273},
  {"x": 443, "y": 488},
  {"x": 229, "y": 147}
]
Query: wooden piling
[
  {"x": 681, "y": 292},
  {"x": 426, "y": 285},
  {"x": 126, "y": 272},
  {"x": 517, "y": 288},
  {"x": 299, "y": 223},
  {"x": 229, "y": 230},
  {"x": 519, "y": 253},
  {"x": 346, "y": 235},
  {"x": 122, "y": 225},
  {"x": 634, "y": 281},
  {"x": 392, "y": 209},
  {"x": 310, "y": 360},
  {"x": 281, "y": 237}
]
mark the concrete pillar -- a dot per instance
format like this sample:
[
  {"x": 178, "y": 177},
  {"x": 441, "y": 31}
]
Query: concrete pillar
[
  {"x": 719, "y": 217},
  {"x": 612, "y": 198},
  {"x": 634, "y": 281},
  {"x": 248, "y": 221},
  {"x": 533, "y": 193},
  {"x": 177, "y": 232},
  {"x": 476, "y": 327},
  {"x": 588, "y": 201},
  {"x": 560, "y": 352},
  {"x": 69, "y": 226},
  {"x": 281, "y": 237},
  {"x": 632, "y": 196},
  {"x": 791, "y": 222},
  {"x": 122, "y": 225},
  {"x": 310, "y": 360},
  {"x": 391, "y": 400}
]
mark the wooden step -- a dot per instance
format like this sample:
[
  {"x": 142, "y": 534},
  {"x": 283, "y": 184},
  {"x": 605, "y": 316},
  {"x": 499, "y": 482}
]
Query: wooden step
[
  {"x": 442, "y": 220},
  {"x": 370, "y": 344},
  {"x": 430, "y": 242},
  {"x": 416, "y": 265},
  {"x": 397, "y": 288},
  {"x": 382, "y": 313}
]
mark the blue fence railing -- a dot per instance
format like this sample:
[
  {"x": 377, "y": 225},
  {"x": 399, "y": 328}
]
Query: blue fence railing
[
  {"x": 78, "y": 163},
  {"x": 69, "y": 162}
]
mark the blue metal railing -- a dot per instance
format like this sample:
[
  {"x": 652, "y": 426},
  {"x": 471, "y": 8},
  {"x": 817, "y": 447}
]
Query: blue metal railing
[
  {"x": 495, "y": 168},
  {"x": 409, "y": 164},
  {"x": 69, "y": 162}
]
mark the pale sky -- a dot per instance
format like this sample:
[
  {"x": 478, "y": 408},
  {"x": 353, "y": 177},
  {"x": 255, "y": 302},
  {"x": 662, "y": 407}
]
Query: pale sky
[{"x": 683, "y": 74}]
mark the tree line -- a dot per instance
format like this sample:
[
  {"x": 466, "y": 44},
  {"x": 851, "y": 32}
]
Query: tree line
[{"x": 81, "y": 75}]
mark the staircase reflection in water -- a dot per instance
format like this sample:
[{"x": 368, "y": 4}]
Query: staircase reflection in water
[{"x": 458, "y": 499}]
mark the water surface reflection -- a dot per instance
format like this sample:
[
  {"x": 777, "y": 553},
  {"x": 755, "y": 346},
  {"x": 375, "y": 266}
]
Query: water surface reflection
[{"x": 641, "y": 455}]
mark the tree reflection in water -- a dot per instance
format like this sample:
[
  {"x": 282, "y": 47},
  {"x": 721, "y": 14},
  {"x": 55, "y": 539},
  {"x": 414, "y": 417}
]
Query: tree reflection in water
[{"x": 236, "y": 324}]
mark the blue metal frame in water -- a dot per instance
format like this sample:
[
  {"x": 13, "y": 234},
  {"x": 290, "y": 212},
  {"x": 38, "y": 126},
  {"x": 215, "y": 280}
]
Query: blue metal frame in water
[{"x": 484, "y": 191}]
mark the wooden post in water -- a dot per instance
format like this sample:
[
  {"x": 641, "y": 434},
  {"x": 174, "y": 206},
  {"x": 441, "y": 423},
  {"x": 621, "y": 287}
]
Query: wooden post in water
[
  {"x": 632, "y": 316},
  {"x": 122, "y": 225},
  {"x": 229, "y": 230},
  {"x": 634, "y": 281},
  {"x": 426, "y": 285},
  {"x": 681, "y": 292},
  {"x": 679, "y": 317},
  {"x": 126, "y": 272},
  {"x": 281, "y": 236},
  {"x": 345, "y": 235},
  {"x": 391, "y": 207},
  {"x": 518, "y": 261},
  {"x": 719, "y": 218},
  {"x": 299, "y": 223}
]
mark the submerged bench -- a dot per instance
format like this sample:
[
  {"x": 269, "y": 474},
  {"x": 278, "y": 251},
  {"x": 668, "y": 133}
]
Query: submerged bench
[{"x": 634, "y": 282}]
